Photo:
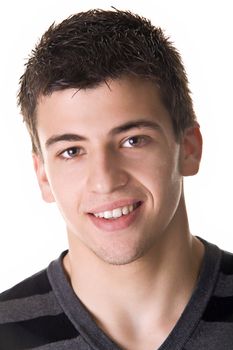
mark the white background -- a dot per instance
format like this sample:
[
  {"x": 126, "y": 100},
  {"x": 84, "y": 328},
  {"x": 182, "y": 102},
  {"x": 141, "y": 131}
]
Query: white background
[{"x": 32, "y": 233}]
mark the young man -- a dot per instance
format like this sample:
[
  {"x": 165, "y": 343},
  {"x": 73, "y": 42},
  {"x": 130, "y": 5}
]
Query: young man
[{"x": 106, "y": 101}]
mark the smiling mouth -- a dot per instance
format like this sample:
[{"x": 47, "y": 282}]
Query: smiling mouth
[{"x": 117, "y": 212}]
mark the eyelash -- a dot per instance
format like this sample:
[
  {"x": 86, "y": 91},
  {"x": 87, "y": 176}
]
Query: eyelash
[{"x": 143, "y": 140}]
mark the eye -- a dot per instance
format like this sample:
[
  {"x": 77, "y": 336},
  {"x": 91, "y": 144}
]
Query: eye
[
  {"x": 71, "y": 152},
  {"x": 136, "y": 141}
]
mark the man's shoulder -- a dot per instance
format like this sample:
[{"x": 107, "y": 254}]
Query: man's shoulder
[
  {"x": 223, "y": 289},
  {"x": 30, "y": 314},
  {"x": 36, "y": 284},
  {"x": 220, "y": 305},
  {"x": 31, "y": 298},
  {"x": 226, "y": 266},
  {"x": 214, "y": 330}
]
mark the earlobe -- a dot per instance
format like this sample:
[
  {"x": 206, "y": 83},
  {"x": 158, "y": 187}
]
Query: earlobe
[
  {"x": 191, "y": 150},
  {"x": 42, "y": 178}
]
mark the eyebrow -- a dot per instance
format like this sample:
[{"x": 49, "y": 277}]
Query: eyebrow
[
  {"x": 64, "y": 137},
  {"x": 142, "y": 123}
]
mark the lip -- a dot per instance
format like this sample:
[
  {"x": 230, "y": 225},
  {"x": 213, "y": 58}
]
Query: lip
[
  {"x": 113, "y": 205},
  {"x": 121, "y": 223}
]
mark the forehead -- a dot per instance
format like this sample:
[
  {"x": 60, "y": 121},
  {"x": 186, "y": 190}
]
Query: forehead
[{"x": 102, "y": 107}]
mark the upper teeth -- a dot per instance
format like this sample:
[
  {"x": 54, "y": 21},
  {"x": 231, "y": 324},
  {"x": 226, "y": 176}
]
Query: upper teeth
[{"x": 116, "y": 213}]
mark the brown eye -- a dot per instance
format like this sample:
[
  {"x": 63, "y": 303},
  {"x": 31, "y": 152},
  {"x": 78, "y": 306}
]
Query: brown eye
[
  {"x": 71, "y": 152},
  {"x": 135, "y": 141}
]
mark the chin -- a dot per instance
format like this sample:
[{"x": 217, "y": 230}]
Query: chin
[{"x": 119, "y": 256}]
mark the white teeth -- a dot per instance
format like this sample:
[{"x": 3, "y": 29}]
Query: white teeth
[
  {"x": 125, "y": 210},
  {"x": 107, "y": 214},
  {"x": 117, "y": 212},
  {"x": 131, "y": 208}
]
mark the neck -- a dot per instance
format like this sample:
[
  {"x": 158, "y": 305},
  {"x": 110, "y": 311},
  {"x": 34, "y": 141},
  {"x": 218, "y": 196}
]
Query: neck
[
  {"x": 162, "y": 280},
  {"x": 159, "y": 276}
]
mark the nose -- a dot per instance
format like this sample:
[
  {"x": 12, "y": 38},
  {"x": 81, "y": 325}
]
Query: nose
[{"x": 106, "y": 172}]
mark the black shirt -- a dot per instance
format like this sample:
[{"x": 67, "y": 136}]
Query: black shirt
[{"x": 43, "y": 312}]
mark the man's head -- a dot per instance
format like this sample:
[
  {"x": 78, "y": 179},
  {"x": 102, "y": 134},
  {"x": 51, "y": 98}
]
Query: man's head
[
  {"x": 105, "y": 98},
  {"x": 90, "y": 48}
]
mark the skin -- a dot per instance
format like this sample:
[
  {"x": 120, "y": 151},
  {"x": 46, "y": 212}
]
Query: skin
[{"x": 153, "y": 258}]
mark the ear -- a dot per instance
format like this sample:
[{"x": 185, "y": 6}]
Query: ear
[
  {"x": 191, "y": 150},
  {"x": 42, "y": 178}
]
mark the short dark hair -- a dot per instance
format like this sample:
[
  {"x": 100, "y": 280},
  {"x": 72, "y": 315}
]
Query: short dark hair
[{"x": 88, "y": 48}]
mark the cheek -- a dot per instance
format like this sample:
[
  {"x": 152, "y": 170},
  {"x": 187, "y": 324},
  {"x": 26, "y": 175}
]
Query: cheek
[
  {"x": 66, "y": 186},
  {"x": 164, "y": 164},
  {"x": 161, "y": 177}
]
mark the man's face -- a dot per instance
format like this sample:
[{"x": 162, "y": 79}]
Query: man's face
[{"x": 111, "y": 163}]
